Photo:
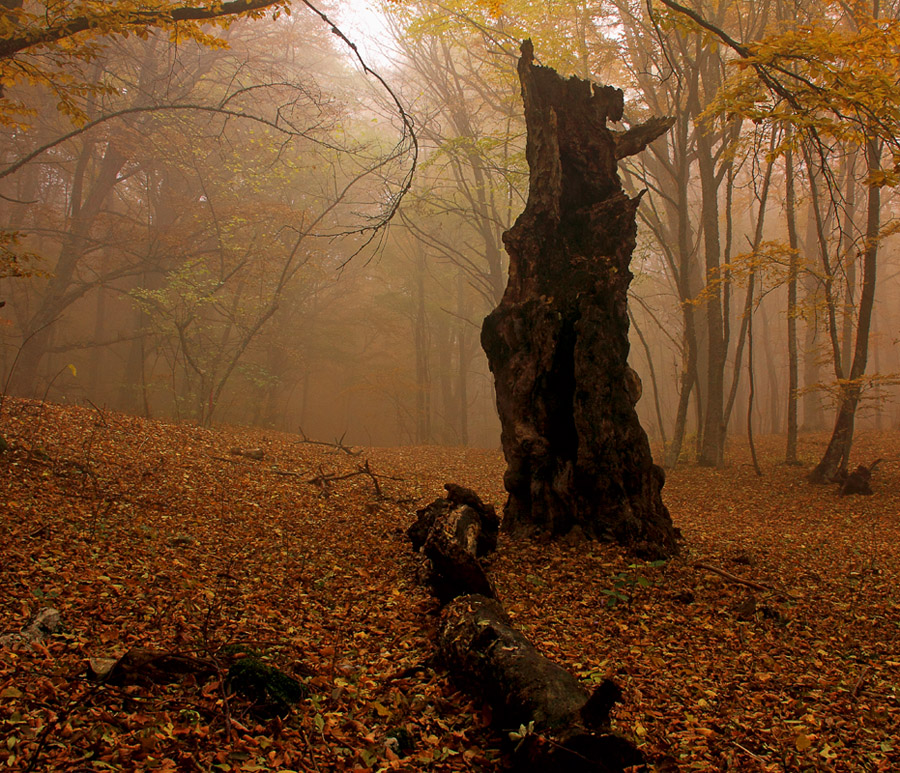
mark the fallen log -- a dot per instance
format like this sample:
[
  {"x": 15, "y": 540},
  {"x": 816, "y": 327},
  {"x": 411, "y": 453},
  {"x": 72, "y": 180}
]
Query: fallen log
[
  {"x": 559, "y": 726},
  {"x": 453, "y": 533},
  {"x": 145, "y": 664},
  {"x": 562, "y": 726}
]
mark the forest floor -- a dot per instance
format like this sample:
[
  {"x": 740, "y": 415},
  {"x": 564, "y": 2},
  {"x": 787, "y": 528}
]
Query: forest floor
[{"x": 154, "y": 535}]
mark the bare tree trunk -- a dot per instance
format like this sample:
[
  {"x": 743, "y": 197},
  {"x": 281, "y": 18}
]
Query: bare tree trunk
[
  {"x": 750, "y": 379},
  {"x": 423, "y": 377},
  {"x": 687, "y": 385},
  {"x": 462, "y": 364},
  {"x": 653, "y": 381},
  {"x": 558, "y": 342},
  {"x": 836, "y": 456},
  {"x": 712, "y": 451},
  {"x": 790, "y": 452},
  {"x": 60, "y": 293},
  {"x": 747, "y": 319},
  {"x": 813, "y": 411}
]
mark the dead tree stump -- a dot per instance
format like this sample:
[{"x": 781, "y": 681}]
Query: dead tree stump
[
  {"x": 859, "y": 481},
  {"x": 557, "y": 343}
]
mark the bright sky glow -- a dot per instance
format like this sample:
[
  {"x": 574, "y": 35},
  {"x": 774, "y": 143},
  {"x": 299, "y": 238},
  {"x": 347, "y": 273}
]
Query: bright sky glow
[{"x": 364, "y": 24}]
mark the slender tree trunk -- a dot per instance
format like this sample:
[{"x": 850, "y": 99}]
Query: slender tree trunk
[
  {"x": 423, "y": 379},
  {"x": 688, "y": 384},
  {"x": 746, "y": 319},
  {"x": 837, "y": 454},
  {"x": 790, "y": 452},
  {"x": 99, "y": 376},
  {"x": 462, "y": 364},
  {"x": 847, "y": 261},
  {"x": 712, "y": 451},
  {"x": 750, "y": 380},
  {"x": 653, "y": 382}
]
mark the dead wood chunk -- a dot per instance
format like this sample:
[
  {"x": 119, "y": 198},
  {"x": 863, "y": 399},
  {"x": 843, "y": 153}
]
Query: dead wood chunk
[
  {"x": 452, "y": 536},
  {"x": 460, "y": 495},
  {"x": 45, "y": 622},
  {"x": 497, "y": 663},
  {"x": 454, "y": 570},
  {"x": 494, "y": 661},
  {"x": 858, "y": 482},
  {"x": 488, "y": 521},
  {"x": 143, "y": 664},
  {"x": 462, "y": 513},
  {"x": 425, "y": 520}
]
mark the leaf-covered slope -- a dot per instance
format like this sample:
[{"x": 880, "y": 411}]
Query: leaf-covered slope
[{"x": 146, "y": 534}]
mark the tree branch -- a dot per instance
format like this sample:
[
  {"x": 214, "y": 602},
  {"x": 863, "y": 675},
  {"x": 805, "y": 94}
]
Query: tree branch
[{"x": 127, "y": 21}]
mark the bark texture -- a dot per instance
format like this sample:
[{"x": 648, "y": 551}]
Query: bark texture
[
  {"x": 494, "y": 661},
  {"x": 453, "y": 533},
  {"x": 557, "y": 343},
  {"x": 568, "y": 727}
]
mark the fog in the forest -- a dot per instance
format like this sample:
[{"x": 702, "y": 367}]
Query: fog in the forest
[{"x": 235, "y": 237}]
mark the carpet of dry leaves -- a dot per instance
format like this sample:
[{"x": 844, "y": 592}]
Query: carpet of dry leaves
[{"x": 151, "y": 534}]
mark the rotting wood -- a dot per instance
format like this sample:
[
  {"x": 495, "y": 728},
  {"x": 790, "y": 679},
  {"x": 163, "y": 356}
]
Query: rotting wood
[
  {"x": 565, "y": 727},
  {"x": 859, "y": 481},
  {"x": 141, "y": 664},
  {"x": 557, "y": 344},
  {"x": 453, "y": 533}
]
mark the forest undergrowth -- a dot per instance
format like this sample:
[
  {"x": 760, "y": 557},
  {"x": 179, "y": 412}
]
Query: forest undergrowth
[{"x": 770, "y": 644}]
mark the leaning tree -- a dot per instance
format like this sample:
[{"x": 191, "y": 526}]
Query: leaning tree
[{"x": 557, "y": 344}]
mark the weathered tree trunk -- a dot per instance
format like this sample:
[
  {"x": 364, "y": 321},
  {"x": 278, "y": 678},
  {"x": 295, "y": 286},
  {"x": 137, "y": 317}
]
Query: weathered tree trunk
[
  {"x": 557, "y": 344},
  {"x": 454, "y": 533},
  {"x": 570, "y": 726}
]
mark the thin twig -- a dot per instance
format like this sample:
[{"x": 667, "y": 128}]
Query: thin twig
[
  {"x": 731, "y": 577},
  {"x": 747, "y": 751}
]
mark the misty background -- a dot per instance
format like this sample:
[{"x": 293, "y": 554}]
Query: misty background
[{"x": 214, "y": 248}]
